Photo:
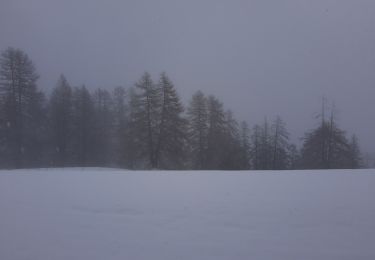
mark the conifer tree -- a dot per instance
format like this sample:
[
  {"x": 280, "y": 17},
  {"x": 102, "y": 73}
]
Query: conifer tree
[
  {"x": 146, "y": 116},
  {"x": 216, "y": 133},
  {"x": 245, "y": 146},
  {"x": 133, "y": 137},
  {"x": 355, "y": 153},
  {"x": 103, "y": 130},
  {"x": 326, "y": 147},
  {"x": 231, "y": 149},
  {"x": 265, "y": 147},
  {"x": 22, "y": 104},
  {"x": 197, "y": 115},
  {"x": 280, "y": 145},
  {"x": 60, "y": 122},
  {"x": 83, "y": 125},
  {"x": 124, "y": 152},
  {"x": 255, "y": 151},
  {"x": 171, "y": 136}
]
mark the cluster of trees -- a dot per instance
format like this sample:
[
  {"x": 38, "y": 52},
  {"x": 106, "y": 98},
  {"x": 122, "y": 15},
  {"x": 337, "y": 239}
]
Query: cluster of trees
[
  {"x": 145, "y": 127},
  {"x": 327, "y": 147}
]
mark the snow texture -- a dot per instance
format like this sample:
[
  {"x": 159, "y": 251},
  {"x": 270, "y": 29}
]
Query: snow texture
[{"x": 96, "y": 214}]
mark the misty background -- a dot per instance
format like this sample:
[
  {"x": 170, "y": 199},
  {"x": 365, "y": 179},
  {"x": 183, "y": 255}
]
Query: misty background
[{"x": 261, "y": 58}]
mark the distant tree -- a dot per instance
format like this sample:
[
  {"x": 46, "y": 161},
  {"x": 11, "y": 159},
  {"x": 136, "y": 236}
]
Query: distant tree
[
  {"x": 21, "y": 104},
  {"x": 280, "y": 144},
  {"x": 124, "y": 140},
  {"x": 232, "y": 153},
  {"x": 216, "y": 133},
  {"x": 326, "y": 147},
  {"x": 83, "y": 125},
  {"x": 266, "y": 148},
  {"x": 103, "y": 128},
  {"x": 60, "y": 121},
  {"x": 255, "y": 150},
  {"x": 355, "y": 153},
  {"x": 145, "y": 106},
  {"x": 3, "y": 128},
  {"x": 197, "y": 115},
  {"x": 120, "y": 107},
  {"x": 135, "y": 154},
  {"x": 294, "y": 157},
  {"x": 270, "y": 148},
  {"x": 37, "y": 130},
  {"x": 368, "y": 161},
  {"x": 171, "y": 129},
  {"x": 245, "y": 144}
]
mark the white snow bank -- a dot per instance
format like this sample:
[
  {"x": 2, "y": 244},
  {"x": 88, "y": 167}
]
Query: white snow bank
[{"x": 100, "y": 214}]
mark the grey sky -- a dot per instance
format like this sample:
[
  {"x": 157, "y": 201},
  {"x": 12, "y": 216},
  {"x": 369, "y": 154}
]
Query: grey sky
[{"x": 261, "y": 58}]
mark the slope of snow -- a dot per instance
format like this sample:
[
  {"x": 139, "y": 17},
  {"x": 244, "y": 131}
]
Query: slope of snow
[{"x": 98, "y": 214}]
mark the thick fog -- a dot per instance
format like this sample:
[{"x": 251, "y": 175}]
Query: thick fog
[{"x": 261, "y": 58}]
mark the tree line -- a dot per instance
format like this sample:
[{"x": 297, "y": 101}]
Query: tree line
[{"x": 147, "y": 127}]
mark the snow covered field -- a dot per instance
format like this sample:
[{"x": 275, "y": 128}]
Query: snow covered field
[{"x": 100, "y": 214}]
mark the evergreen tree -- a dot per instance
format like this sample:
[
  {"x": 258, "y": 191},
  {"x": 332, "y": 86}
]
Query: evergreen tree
[
  {"x": 326, "y": 147},
  {"x": 21, "y": 104},
  {"x": 103, "y": 134},
  {"x": 171, "y": 135},
  {"x": 280, "y": 145},
  {"x": 198, "y": 130},
  {"x": 124, "y": 151},
  {"x": 294, "y": 157},
  {"x": 216, "y": 133},
  {"x": 83, "y": 125},
  {"x": 36, "y": 140},
  {"x": 265, "y": 147},
  {"x": 255, "y": 151},
  {"x": 231, "y": 144},
  {"x": 355, "y": 153},
  {"x": 245, "y": 146},
  {"x": 134, "y": 136},
  {"x": 60, "y": 122},
  {"x": 146, "y": 115}
]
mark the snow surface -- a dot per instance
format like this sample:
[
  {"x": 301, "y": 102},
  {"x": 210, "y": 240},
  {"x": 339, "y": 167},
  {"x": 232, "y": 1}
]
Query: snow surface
[{"x": 89, "y": 214}]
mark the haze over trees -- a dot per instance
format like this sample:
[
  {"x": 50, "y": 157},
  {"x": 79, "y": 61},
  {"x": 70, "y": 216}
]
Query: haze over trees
[
  {"x": 22, "y": 110},
  {"x": 327, "y": 147},
  {"x": 147, "y": 127}
]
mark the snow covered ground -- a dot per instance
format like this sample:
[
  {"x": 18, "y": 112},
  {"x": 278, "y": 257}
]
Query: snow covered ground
[{"x": 100, "y": 214}]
